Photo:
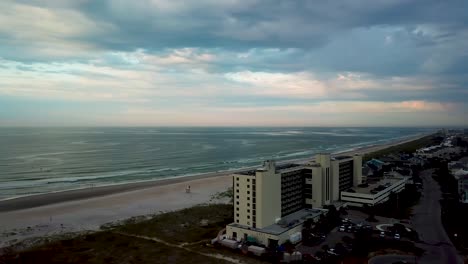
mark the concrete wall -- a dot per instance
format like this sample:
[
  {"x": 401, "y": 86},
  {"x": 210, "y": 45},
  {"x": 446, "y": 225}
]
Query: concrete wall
[
  {"x": 324, "y": 161},
  {"x": 268, "y": 189},
  {"x": 243, "y": 199},
  {"x": 335, "y": 179},
  {"x": 317, "y": 183},
  {"x": 261, "y": 237},
  {"x": 357, "y": 175}
]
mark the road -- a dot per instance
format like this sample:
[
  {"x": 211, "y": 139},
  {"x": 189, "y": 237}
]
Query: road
[
  {"x": 428, "y": 223},
  {"x": 388, "y": 259}
]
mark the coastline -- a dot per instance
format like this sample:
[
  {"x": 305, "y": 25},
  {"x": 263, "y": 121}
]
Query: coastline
[
  {"x": 28, "y": 218},
  {"x": 37, "y": 200}
]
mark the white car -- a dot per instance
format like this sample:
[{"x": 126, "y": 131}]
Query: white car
[{"x": 397, "y": 236}]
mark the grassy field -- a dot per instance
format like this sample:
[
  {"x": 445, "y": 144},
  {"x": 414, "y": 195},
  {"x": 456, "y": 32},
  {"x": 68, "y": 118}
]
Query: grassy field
[
  {"x": 117, "y": 245},
  {"x": 106, "y": 247},
  {"x": 187, "y": 225}
]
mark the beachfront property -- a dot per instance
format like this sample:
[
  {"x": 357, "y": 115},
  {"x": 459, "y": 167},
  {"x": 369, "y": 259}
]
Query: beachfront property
[
  {"x": 443, "y": 150},
  {"x": 462, "y": 179},
  {"x": 459, "y": 170},
  {"x": 272, "y": 202},
  {"x": 375, "y": 193}
]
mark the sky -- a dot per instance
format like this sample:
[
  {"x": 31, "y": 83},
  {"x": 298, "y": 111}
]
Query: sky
[{"x": 233, "y": 63}]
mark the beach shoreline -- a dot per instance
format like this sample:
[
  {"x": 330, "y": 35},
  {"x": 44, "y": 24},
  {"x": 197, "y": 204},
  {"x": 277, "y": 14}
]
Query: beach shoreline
[
  {"x": 37, "y": 216},
  {"x": 37, "y": 200}
]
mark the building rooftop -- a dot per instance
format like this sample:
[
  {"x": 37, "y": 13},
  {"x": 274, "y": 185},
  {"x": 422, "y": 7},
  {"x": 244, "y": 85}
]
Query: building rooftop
[
  {"x": 286, "y": 166},
  {"x": 288, "y": 222},
  {"x": 278, "y": 168},
  {"x": 386, "y": 182},
  {"x": 248, "y": 172},
  {"x": 342, "y": 157}
]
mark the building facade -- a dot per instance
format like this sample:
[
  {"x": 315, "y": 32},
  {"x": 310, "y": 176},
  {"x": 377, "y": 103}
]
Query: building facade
[{"x": 265, "y": 196}]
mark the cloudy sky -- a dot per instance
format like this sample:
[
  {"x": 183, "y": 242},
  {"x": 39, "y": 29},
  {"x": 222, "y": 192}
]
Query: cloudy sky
[{"x": 233, "y": 62}]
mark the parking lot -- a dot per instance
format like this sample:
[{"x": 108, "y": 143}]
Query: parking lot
[{"x": 351, "y": 223}]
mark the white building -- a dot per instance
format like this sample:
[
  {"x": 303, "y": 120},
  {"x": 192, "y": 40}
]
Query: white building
[
  {"x": 375, "y": 193},
  {"x": 462, "y": 178},
  {"x": 272, "y": 202}
]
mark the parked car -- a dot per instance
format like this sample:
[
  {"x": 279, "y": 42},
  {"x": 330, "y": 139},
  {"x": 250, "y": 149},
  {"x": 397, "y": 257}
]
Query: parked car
[
  {"x": 331, "y": 251},
  {"x": 342, "y": 228},
  {"x": 397, "y": 236},
  {"x": 382, "y": 234}
]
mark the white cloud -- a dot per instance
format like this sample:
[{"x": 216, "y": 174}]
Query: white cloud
[{"x": 48, "y": 32}]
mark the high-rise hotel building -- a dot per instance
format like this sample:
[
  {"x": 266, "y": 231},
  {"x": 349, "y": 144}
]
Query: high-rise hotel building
[{"x": 272, "y": 201}]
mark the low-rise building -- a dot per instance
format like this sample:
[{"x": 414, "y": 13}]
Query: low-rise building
[
  {"x": 461, "y": 176},
  {"x": 375, "y": 193}
]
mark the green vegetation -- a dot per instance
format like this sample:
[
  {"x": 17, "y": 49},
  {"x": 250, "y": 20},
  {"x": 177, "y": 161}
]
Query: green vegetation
[
  {"x": 193, "y": 224},
  {"x": 228, "y": 194},
  {"x": 399, "y": 205},
  {"x": 409, "y": 147},
  {"x": 106, "y": 247},
  {"x": 119, "y": 244},
  {"x": 454, "y": 213},
  {"x": 365, "y": 243}
]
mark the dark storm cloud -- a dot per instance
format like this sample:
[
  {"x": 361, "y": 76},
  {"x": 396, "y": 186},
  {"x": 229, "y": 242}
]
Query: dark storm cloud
[{"x": 241, "y": 24}]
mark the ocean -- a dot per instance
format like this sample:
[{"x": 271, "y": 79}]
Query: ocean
[{"x": 41, "y": 160}]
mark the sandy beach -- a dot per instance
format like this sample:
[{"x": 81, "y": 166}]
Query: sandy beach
[{"x": 87, "y": 209}]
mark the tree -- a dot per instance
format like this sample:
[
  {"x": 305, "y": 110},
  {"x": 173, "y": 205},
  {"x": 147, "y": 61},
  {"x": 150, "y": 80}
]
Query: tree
[
  {"x": 340, "y": 249},
  {"x": 308, "y": 223},
  {"x": 343, "y": 211},
  {"x": 325, "y": 248},
  {"x": 371, "y": 213}
]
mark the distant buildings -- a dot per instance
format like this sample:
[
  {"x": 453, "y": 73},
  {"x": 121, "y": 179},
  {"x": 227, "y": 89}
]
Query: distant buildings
[
  {"x": 442, "y": 151},
  {"x": 459, "y": 170},
  {"x": 375, "y": 164},
  {"x": 372, "y": 194}
]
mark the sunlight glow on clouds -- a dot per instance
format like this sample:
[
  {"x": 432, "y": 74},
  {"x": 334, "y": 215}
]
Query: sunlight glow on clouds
[{"x": 233, "y": 63}]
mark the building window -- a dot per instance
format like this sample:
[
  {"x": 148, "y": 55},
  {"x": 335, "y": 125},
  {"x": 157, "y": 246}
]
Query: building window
[
  {"x": 248, "y": 180},
  {"x": 237, "y": 208},
  {"x": 237, "y": 203},
  {"x": 248, "y": 223},
  {"x": 253, "y": 181},
  {"x": 248, "y": 186},
  {"x": 237, "y": 196},
  {"x": 237, "y": 184},
  {"x": 248, "y": 217},
  {"x": 248, "y": 211},
  {"x": 248, "y": 204},
  {"x": 237, "y": 178},
  {"x": 237, "y": 190},
  {"x": 237, "y": 221},
  {"x": 248, "y": 192},
  {"x": 237, "y": 215},
  {"x": 248, "y": 198}
]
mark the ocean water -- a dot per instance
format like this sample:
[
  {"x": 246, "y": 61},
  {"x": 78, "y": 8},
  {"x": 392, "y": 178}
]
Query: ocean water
[{"x": 41, "y": 160}]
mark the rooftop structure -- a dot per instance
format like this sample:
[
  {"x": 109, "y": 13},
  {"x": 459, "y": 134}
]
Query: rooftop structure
[{"x": 375, "y": 193}]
